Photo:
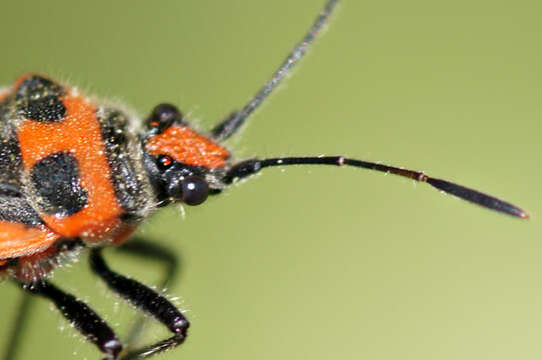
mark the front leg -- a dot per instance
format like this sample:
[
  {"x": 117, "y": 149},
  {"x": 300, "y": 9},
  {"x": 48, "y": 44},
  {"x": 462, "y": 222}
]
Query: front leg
[
  {"x": 149, "y": 250},
  {"x": 144, "y": 299}
]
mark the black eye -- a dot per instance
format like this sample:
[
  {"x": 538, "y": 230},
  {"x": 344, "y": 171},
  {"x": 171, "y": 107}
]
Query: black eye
[
  {"x": 163, "y": 116},
  {"x": 194, "y": 190},
  {"x": 164, "y": 162}
]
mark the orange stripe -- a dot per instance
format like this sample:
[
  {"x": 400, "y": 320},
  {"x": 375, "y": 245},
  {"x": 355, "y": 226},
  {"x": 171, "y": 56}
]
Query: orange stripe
[
  {"x": 19, "y": 240},
  {"x": 79, "y": 133},
  {"x": 188, "y": 147}
]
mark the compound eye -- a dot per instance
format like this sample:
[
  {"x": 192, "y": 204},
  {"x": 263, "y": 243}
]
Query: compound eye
[
  {"x": 163, "y": 116},
  {"x": 194, "y": 190}
]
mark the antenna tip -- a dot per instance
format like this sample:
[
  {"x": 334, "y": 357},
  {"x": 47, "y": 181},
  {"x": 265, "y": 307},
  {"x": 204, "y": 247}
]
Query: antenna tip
[{"x": 510, "y": 209}]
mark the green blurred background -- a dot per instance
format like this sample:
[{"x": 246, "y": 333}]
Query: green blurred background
[{"x": 321, "y": 263}]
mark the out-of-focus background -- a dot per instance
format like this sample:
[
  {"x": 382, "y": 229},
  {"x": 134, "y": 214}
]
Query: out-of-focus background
[{"x": 321, "y": 263}]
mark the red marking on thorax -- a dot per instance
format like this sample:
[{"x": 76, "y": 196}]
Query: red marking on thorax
[
  {"x": 188, "y": 147},
  {"x": 79, "y": 133}
]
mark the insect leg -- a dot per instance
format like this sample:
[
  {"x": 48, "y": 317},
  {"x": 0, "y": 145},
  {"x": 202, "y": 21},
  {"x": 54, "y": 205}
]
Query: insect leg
[
  {"x": 149, "y": 250},
  {"x": 81, "y": 316},
  {"x": 147, "y": 300}
]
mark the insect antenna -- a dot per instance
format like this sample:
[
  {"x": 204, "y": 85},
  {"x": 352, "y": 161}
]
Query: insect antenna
[
  {"x": 249, "y": 167},
  {"x": 237, "y": 118}
]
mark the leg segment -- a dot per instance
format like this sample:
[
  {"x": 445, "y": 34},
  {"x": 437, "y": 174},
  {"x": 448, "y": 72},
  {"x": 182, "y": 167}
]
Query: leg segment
[
  {"x": 147, "y": 300},
  {"x": 149, "y": 250},
  {"x": 81, "y": 316}
]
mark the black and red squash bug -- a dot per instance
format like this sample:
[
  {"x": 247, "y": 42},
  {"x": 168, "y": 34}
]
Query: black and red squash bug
[{"x": 78, "y": 175}]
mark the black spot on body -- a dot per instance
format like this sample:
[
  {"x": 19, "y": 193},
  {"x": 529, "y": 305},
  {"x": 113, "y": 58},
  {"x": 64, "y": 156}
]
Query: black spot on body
[
  {"x": 57, "y": 183},
  {"x": 38, "y": 98}
]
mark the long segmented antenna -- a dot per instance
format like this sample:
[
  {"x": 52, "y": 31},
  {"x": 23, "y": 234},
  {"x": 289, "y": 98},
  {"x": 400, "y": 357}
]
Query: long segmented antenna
[
  {"x": 228, "y": 127},
  {"x": 249, "y": 167}
]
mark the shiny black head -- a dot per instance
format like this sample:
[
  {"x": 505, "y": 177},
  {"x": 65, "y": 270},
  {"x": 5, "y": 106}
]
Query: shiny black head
[{"x": 183, "y": 165}]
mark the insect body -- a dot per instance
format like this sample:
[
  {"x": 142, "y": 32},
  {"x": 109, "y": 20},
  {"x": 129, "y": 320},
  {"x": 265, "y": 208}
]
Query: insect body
[{"x": 75, "y": 174}]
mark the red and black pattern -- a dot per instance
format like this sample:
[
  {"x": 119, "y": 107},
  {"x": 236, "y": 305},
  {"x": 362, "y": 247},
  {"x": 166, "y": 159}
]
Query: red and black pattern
[
  {"x": 76, "y": 175},
  {"x": 68, "y": 170}
]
